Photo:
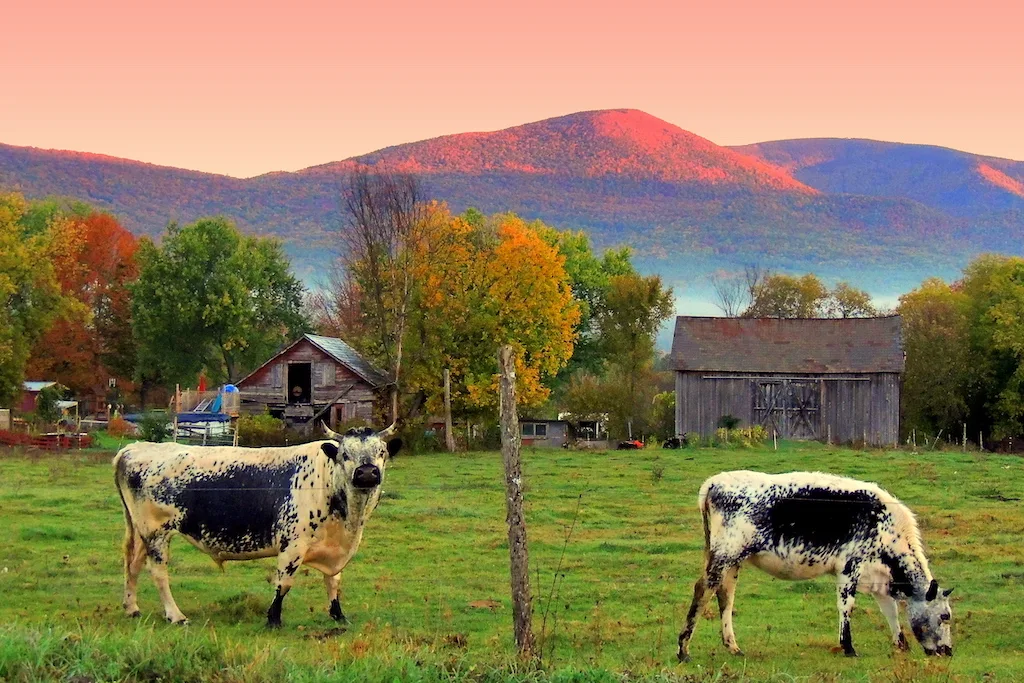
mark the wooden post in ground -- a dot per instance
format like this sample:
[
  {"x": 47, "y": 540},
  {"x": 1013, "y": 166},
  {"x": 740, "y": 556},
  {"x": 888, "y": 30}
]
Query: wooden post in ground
[
  {"x": 177, "y": 409},
  {"x": 965, "y": 438},
  {"x": 522, "y": 607},
  {"x": 449, "y": 429}
]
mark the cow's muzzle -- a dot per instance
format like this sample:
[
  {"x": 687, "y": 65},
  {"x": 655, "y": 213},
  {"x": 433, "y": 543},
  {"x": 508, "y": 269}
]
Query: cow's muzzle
[{"x": 366, "y": 477}]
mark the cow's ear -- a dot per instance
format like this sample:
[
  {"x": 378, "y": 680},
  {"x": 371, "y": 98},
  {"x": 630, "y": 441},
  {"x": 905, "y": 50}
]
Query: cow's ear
[
  {"x": 394, "y": 445},
  {"x": 330, "y": 450},
  {"x": 933, "y": 590},
  {"x": 946, "y": 593}
]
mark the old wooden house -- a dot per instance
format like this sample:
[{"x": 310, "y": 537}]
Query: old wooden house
[
  {"x": 835, "y": 379},
  {"x": 315, "y": 377}
]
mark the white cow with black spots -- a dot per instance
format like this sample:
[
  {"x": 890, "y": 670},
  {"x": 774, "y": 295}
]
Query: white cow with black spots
[
  {"x": 801, "y": 525},
  {"x": 304, "y": 504}
]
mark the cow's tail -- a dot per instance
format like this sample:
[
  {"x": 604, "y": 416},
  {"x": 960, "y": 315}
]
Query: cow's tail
[
  {"x": 704, "y": 504},
  {"x": 130, "y": 535}
]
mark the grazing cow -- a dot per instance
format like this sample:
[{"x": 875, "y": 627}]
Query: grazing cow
[
  {"x": 804, "y": 524},
  {"x": 304, "y": 504}
]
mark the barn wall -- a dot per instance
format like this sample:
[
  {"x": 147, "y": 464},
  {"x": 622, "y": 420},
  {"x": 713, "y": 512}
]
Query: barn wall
[
  {"x": 855, "y": 407},
  {"x": 267, "y": 387}
]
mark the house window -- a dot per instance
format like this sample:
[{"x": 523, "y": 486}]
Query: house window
[{"x": 537, "y": 430}]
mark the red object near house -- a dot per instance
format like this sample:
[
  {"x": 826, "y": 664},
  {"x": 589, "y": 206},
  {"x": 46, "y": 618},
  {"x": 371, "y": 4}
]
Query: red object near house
[
  {"x": 29, "y": 392},
  {"x": 202, "y": 383}
]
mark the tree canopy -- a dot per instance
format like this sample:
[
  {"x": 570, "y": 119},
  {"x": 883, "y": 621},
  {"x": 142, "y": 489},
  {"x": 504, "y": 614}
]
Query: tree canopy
[{"x": 211, "y": 299}]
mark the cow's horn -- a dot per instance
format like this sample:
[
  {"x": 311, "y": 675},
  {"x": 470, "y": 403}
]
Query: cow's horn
[
  {"x": 331, "y": 434},
  {"x": 389, "y": 432}
]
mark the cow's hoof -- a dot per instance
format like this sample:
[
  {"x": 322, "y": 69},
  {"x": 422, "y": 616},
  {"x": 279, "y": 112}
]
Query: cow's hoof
[
  {"x": 274, "y": 625},
  {"x": 737, "y": 652},
  {"x": 850, "y": 653},
  {"x": 336, "y": 613},
  {"x": 683, "y": 657},
  {"x": 902, "y": 644},
  {"x": 134, "y": 615},
  {"x": 178, "y": 622}
]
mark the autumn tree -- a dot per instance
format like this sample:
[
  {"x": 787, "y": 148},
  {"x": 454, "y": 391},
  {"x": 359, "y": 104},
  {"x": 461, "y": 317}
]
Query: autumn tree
[
  {"x": 29, "y": 292},
  {"x": 94, "y": 264},
  {"x": 483, "y": 286},
  {"x": 788, "y": 296},
  {"x": 209, "y": 298},
  {"x": 846, "y": 301},
  {"x": 381, "y": 239}
]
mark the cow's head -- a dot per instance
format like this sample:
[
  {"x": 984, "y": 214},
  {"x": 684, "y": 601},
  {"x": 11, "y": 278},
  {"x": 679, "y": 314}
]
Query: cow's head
[
  {"x": 362, "y": 454},
  {"x": 930, "y": 618}
]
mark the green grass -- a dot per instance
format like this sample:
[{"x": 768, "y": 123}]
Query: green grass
[{"x": 427, "y": 595}]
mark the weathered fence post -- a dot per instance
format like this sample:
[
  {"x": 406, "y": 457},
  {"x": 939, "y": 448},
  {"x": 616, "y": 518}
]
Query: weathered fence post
[
  {"x": 965, "y": 438},
  {"x": 449, "y": 436},
  {"x": 522, "y": 607}
]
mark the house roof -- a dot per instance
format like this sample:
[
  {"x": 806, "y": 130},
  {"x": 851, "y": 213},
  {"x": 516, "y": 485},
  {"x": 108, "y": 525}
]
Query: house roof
[
  {"x": 346, "y": 355},
  {"x": 339, "y": 351},
  {"x": 800, "y": 346},
  {"x": 35, "y": 386}
]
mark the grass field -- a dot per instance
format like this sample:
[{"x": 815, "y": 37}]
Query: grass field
[{"x": 427, "y": 595}]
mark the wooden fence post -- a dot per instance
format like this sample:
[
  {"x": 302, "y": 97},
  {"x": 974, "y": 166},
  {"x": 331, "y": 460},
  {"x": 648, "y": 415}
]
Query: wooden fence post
[
  {"x": 449, "y": 436},
  {"x": 522, "y": 607}
]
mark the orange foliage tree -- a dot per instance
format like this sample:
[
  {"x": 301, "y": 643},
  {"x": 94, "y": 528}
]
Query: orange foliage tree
[
  {"x": 479, "y": 287},
  {"x": 94, "y": 260}
]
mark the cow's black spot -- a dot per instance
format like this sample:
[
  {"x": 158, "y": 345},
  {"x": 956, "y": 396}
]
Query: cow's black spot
[
  {"x": 361, "y": 432},
  {"x": 846, "y": 640},
  {"x": 238, "y": 509},
  {"x": 394, "y": 445},
  {"x": 335, "y": 611},
  {"x": 330, "y": 449},
  {"x": 338, "y": 504},
  {"x": 901, "y": 585},
  {"x": 134, "y": 481},
  {"x": 820, "y": 519}
]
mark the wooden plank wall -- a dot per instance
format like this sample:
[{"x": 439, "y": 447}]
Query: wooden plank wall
[{"x": 864, "y": 406}]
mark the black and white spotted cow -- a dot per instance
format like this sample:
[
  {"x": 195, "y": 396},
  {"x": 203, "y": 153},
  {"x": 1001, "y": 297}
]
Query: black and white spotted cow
[
  {"x": 304, "y": 504},
  {"x": 804, "y": 524}
]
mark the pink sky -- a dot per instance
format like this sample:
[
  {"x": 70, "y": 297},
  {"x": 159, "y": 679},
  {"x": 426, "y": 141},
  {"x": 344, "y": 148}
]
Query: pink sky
[{"x": 246, "y": 88}]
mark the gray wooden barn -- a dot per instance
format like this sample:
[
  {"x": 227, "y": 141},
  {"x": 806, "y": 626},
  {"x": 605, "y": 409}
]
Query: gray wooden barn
[
  {"x": 804, "y": 378},
  {"x": 315, "y": 377}
]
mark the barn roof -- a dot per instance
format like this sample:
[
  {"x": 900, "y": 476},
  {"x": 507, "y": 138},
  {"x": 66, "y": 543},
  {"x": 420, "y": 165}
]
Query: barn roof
[
  {"x": 339, "y": 351},
  {"x": 346, "y": 355},
  {"x": 800, "y": 346}
]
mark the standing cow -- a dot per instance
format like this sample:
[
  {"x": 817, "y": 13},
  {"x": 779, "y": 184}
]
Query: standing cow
[
  {"x": 304, "y": 504},
  {"x": 804, "y": 524}
]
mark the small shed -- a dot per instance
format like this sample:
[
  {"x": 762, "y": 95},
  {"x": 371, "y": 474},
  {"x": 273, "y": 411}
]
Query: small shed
[
  {"x": 802, "y": 379},
  {"x": 29, "y": 393},
  {"x": 314, "y": 377},
  {"x": 544, "y": 433}
]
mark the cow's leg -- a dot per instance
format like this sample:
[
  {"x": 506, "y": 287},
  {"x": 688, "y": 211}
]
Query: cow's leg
[
  {"x": 288, "y": 563},
  {"x": 158, "y": 548},
  {"x": 846, "y": 590},
  {"x": 890, "y": 609},
  {"x": 134, "y": 561},
  {"x": 726, "y": 597},
  {"x": 334, "y": 610},
  {"x": 706, "y": 586}
]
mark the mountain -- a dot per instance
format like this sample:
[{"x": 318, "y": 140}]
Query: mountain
[{"x": 849, "y": 208}]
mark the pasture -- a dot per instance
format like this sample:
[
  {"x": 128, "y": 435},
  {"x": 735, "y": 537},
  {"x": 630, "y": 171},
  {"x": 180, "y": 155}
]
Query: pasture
[{"x": 615, "y": 545}]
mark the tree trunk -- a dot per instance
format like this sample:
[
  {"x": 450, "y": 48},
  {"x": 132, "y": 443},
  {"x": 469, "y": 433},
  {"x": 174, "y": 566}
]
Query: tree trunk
[
  {"x": 522, "y": 608},
  {"x": 449, "y": 435}
]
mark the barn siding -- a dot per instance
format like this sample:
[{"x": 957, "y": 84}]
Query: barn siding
[{"x": 854, "y": 406}]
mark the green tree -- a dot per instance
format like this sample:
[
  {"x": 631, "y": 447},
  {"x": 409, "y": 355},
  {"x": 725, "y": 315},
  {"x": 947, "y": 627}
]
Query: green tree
[
  {"x": 634, "y": 310},
  {"x": 29, "y": 292},
  {"x": 209, "y": 298},
  {"x": 937, "y": 377}
]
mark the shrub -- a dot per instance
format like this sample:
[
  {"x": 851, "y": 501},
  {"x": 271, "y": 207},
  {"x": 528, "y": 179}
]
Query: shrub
[
  {"x": 261, "y": 430},
  {"x": 728, "y": 422},
  {"x": 118, "y": 427},
  {"x": 748, "y": 437},
  {"x": 153, "y": 427}
]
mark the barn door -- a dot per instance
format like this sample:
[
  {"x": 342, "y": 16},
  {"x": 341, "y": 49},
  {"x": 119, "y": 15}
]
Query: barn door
[
  {"x": 803, "y": 410},
  {"x": 769, "y": 406},
  {"x": 791, "y": 408}
]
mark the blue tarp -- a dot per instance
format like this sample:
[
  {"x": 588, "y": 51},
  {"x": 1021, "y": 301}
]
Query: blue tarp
[{"x": 203, "y": 417}]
